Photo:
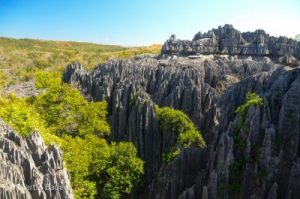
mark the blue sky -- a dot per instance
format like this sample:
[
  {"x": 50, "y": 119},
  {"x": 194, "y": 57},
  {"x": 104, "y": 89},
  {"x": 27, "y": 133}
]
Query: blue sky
[{"x": 142, "y": 22}]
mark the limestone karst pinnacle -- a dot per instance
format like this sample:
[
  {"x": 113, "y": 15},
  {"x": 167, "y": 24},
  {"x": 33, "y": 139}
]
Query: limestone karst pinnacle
[
  {"x": 227, "y": 40},
  {"x": 29, "y": 169},
  {"x": 208, "y": 78}
]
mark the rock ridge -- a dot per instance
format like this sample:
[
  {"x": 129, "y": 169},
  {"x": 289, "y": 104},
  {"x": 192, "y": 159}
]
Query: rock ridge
[
  {"x": 29, "y": 169},
  {"x": 227, "y": 40}
]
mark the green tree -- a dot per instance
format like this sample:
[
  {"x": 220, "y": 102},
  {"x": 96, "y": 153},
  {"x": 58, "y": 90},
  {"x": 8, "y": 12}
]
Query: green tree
[
  {"x": 67, "y": 112},
  {"x": 80, "y": 156},
  {"x": 98, "y": 169},
  {"x": 101, "y": 170},
  {"x": 123, "y": 171},
  {"x": 17, "y": 114}
]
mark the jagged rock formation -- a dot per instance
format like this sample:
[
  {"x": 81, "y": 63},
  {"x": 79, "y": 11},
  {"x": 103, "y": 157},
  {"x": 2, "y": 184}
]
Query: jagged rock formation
[
  {"x": 133, "y": 86},
  {"x": 29, "y": 170},
  {"x": 259, "y": 160},
  {"x": 227, "y": 40},
  {"x": 267, "y": 166}
]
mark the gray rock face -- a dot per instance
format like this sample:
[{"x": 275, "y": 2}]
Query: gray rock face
[
  {"x": 263, "y": 161},
  {"x": 29, "y": 170},
  {"x": 258, "y": 160},
  {"x": 270, "y": 137},
  {"x": 132, "y": 86},
  {"x": 227, "y": 40}
]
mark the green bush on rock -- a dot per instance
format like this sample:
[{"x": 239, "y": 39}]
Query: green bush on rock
[
  {"x": 252, "y": 100},
  {"x": 237, "y": 168},
  {"x": 178, "y": 123},
  {"x": 170, "y": 155}
]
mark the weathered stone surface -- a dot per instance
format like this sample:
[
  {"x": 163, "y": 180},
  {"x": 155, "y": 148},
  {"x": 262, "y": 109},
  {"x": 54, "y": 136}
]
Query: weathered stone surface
[
  {"x": 227, "y": 40},
  {"x": 30, "y": 170},
  {"x": 189, "y": 85}
]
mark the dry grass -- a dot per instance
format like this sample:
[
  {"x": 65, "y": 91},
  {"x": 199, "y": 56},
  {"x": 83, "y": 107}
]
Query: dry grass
[{"x": 21, "y": 58}]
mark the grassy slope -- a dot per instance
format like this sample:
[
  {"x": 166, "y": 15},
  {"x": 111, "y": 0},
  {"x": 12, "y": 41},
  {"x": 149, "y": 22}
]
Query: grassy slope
[{"x": 21, "y": 58}]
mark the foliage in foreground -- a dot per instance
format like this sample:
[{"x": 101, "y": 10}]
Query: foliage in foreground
[
  {"x": 98, "y": 169},
  {"x": 178, "y": 123}
]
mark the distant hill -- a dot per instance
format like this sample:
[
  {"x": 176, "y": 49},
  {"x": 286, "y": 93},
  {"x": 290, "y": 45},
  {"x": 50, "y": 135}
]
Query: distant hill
[{"x": 21, "y": 58}]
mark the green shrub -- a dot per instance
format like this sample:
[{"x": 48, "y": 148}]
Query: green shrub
[
  {"x": 19, "y": 115},
  {"x": 178, "y": 123},
  {"x": 24, "y": 118},
  {"x": 236, "y": 169},
  {"x": 252, "y": 100},
  {"x": 170, "y": 155},
  {"x": 47, "y": 79}
]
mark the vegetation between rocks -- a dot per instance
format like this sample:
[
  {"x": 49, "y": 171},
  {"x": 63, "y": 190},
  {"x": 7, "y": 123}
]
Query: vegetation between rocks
[
  {"x": 236, "y": 169},
  {"x": 176, "y": 122}
]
